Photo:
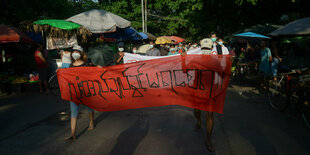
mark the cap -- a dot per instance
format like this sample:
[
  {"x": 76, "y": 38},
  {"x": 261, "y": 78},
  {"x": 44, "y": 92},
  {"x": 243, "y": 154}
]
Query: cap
[
  {"x": 206, "y": 43},
  {"x": 77, "y": 48}
]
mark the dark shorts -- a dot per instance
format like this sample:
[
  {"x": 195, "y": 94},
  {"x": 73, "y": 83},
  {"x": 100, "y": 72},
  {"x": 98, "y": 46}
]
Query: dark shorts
[{"x": 43, "y": 75}]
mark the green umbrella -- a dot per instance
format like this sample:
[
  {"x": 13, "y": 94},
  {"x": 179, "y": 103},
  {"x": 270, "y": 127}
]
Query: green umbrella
[{"x": 62, "y": 24}]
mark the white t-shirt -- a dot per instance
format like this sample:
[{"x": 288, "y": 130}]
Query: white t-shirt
[
  {"x": 66, "y": 58},
  {"x": 224, "y": 50}
]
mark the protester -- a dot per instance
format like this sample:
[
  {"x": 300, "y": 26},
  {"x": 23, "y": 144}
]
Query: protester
[
  {"x": 134, "y": 50},
  {"x": 118, "y": 56},
  {"x": 275, "y": 60},
  {"x": 264, "y": 66},
  {"x": 42, "y": 69},
  {"x": 193, "y": 46},
  {"x": 65, "y": 58},
  {"x": 153, "y": 51},
  {"x": 215, "y": 45},
  {"x": 206, "y": 45},
  {"x": 173, "y": 51},
  {"x": 164, "y": 50},
  {"x": 221, "y": 48},
  {"x": 79, "y": 59},
  {"x": 180, "y": 48}
]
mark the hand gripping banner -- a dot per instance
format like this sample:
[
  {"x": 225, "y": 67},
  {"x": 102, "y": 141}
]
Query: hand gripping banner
[{"x": 196, "y": 81}]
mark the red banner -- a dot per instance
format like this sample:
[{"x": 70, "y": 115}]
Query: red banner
[{"x": 196, "y": 81}]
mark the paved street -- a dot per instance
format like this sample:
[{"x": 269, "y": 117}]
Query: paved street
[{"x": 33, "y": 123}]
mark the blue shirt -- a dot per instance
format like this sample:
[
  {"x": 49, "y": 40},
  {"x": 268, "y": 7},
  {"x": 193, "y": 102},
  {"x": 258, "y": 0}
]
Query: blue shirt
[{"x": 264, "y": 62}]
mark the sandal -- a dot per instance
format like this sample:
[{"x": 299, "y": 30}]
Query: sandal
[
  {"x": 91, "y": 128},
  {"x": 70, "y": 138},
  {"x": 210, "y": 147}
]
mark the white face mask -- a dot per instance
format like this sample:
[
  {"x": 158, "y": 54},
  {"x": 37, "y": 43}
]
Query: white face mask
[
  {"x": 76, "y": 56},
  {"x": 121, "y": 49},
  {"x": 172, "y": 49},
  {"x": 134, "y": 51},
  {"x": 151, "y": 46}
]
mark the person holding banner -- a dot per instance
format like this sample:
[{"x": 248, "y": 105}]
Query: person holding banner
[
  {"x": 79, "y": 59},
  {"x": 118, "y": 57},
  {"x": 206, "y": 46},
  {"x": 153, "y": 51}
]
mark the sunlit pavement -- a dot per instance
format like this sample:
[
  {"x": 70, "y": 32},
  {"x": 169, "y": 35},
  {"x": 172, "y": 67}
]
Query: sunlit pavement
[{"x": 33, "y": 123}]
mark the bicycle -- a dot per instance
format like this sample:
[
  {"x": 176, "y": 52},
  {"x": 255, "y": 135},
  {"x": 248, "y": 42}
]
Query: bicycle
[
  {"x": 277, "y": 92},
  {"x": 293, "y": 90},
  {"x": 300, "y": 97}
]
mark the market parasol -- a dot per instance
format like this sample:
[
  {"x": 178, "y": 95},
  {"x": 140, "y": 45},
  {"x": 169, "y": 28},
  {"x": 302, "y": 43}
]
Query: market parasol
[
  {"x": 60, "y": 28},
  {"x": 296, "y": 28},
  {"x": 100, "y": 21},
  {"x": 62, "y": 24},
  {"x": 143, "y": 35},
  {"x": 101, "y": 55},
  {"x": 163, "y": 40},
  {"x": 150, "y": 36},
  {"x": 11, "y": 34},
  {"x": 126, "y": 34},
  {"x": 177, "y": 39},
  {"x": 251, "y": 35}
]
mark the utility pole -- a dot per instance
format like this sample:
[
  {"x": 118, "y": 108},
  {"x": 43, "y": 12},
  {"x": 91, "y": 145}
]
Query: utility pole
[
  {"x": 145, "y": 15},
  {"x": 142, "y": 8}
]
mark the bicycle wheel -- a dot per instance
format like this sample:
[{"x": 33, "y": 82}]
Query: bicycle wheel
[
  {"x": 53, "y": 85},
  {"x": 276, "y": 96}
]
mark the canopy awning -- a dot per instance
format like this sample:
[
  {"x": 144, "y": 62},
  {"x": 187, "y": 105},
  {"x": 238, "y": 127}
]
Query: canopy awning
[
  {"x": 296, "y": 28},
  {"x": 11, "y": 34}
]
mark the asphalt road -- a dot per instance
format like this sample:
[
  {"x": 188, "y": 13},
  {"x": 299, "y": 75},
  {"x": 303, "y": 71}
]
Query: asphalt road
[{"x": 33, "y": 123}]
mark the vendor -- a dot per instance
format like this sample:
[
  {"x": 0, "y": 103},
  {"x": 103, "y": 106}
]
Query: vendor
[{"x": 42, "y": 69}]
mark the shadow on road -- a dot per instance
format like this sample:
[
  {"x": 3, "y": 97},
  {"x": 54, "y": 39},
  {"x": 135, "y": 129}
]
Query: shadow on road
[{"x": 129, "y": 139}]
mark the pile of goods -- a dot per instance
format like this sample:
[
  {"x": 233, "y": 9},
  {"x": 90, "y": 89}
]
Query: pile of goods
[
  {"x": 33, "y": 78},
  {"x": 22, "y": 79}
]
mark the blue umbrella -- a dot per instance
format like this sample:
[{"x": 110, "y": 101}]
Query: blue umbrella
[
  {"x": 144, "y": 36},
  {"x": 126, "y": 34},
  {"x": 251, "y": 35}
]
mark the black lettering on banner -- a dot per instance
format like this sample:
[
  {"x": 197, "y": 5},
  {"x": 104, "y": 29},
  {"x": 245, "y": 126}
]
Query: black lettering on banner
[
  {"x": 88, "y": 94},
  {"x": 76, "y": 94},
  {"x": 100, "y": 89},
  {"x": 167, "y": 80},
  {"x": 70, "y": 91},
  {"x": 154, "y": 84},
  {"x": 92, "y": 87},
  {"x": 117, "y": 88},
  {"x": 127, "y": 80},
  {"x": 180, "y": 78},
  {"x": 192, "y": 78},
  {"x": 81, "y": 89}
]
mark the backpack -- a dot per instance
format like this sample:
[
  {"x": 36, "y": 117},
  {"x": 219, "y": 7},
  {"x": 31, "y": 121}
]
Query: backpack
[{"x": 219, "y": 49}]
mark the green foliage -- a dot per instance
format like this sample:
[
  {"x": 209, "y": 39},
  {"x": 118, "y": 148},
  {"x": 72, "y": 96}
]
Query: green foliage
[{"x": 191, "y": 19}]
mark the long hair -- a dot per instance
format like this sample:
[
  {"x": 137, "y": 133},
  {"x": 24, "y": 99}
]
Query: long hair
[{"x": 83, "y": 56}]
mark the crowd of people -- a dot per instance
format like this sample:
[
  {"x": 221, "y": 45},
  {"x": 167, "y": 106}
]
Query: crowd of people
[{"x": 77, "y": 57}]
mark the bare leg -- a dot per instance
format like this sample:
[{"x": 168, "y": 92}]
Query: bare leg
[
  {"x": 91, "y": 121},
  {"x": 197, "y": 114},
  {"x": 73, "y": 127},
  {"x": 209, "y": 123}
]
